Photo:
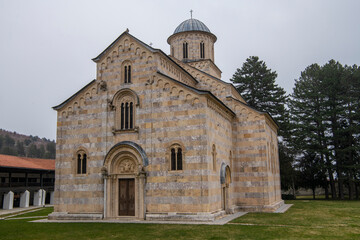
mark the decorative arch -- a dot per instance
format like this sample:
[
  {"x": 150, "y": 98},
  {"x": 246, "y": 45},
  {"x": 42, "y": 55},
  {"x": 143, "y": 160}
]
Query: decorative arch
[
  {"x": 125, "y": 102},
  {"x": 124, "y": 181},
  {"x": 128, "y": 145}
]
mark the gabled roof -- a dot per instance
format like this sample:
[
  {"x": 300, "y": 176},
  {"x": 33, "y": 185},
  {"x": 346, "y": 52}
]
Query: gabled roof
[
  {"x": 73, "y": 96},
  {"x": 96, "y": 59},
  {"x": 24, "y": 162},
  {"x": 213, "y": 77},
  {"x": 201, "y": 92},
  {"x": 254, "y": 109}
]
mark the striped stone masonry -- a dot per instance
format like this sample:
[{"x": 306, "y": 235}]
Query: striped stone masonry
[{"x": 229, "y": 154}]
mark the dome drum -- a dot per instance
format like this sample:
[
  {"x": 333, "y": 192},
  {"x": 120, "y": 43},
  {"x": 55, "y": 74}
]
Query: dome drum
[{"x": 192, "y": 41}]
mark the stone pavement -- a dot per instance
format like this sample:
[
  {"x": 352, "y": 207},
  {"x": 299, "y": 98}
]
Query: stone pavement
[
  {"x": 283, "y": 208},
  {"x": 220, "y": 221},
  {"x": 19, "y": 211}
]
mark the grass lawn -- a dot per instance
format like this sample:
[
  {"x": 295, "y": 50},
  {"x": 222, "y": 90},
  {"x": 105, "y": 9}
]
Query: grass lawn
[{"x": 306, "y": 219}]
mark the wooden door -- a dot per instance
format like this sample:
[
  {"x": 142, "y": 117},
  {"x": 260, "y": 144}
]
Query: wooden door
[{"x": 126, "y": 197}]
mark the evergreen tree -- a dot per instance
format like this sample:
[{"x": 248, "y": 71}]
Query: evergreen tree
[
  {"x": 20, "y": 149},
  {"x": 33, "y": 151},
  {"x": 1, "y": 142},
  {"x": 325, "y": 117}
]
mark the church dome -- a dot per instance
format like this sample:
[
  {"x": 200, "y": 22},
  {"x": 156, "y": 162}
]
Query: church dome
[{"x": 191, "y": 25}]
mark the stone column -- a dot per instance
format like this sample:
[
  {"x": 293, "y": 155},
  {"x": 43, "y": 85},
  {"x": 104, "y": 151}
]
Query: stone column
[
  {"x": 8, "y": 201},
  {"x": 38, "y": 197},
  {"x": 24, "y": 199},
  {"x": 142, "y": 206},
  {"x": 43, "y": 197},
  {"x": 52, "y": 197}
]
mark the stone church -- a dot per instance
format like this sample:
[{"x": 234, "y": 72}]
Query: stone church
[{"x": 162, "y": 137}]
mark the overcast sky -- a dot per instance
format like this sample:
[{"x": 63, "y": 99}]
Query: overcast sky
[{"x": 46, "y": 46}]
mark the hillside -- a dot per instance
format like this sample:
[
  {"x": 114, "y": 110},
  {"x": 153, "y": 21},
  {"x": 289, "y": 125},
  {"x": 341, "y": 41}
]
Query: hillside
[{"x": 12, "y": 143}]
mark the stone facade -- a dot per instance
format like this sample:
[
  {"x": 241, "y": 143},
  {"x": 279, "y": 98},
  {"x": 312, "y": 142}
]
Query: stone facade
[{"x": 185, "y": 142}]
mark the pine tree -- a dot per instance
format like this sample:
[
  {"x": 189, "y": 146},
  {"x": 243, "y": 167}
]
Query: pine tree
[
  {"x": 309, "y": 132},
  {"x": 325, "y": 117}
]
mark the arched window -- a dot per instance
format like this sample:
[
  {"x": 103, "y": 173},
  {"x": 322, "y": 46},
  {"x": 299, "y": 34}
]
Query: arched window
[
  {"x": 176, "y": 157},
  {"x": 126, "y": 114},
  {"x": 185, "y": 50},
  {"x": 124, "y": 102},
  {"x": 213, "y": 153},
  {"x": 127, "y": 73},
  {"x": 202, "y": 50},
  {"x": 81, "y": 161}
]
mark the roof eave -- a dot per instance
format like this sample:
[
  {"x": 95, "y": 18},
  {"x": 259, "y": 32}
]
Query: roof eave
[{"x": 72, "y": 97}]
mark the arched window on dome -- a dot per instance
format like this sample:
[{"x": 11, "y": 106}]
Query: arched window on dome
[
  {"x": 202, "y": 50},
  {"x": 185, "y": 50}
]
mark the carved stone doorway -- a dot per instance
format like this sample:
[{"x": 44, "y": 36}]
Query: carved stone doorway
[
  {"x": 124, "y": 181},
  {"x": 126, "y": 197}
]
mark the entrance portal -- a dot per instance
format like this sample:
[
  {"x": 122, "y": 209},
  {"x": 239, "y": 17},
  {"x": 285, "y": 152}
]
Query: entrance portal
[
  {"x": 126, "y": 197},
  {"x": 124, "y": 181}
]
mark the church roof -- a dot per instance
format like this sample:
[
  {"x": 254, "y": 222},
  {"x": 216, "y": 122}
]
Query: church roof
[
  {"x": 199, "y": 91},
  {"x": 192, "y": 24}
]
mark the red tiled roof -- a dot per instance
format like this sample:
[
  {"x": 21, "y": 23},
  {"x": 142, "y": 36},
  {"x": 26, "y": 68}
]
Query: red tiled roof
[{"x": 23, "y": 162}]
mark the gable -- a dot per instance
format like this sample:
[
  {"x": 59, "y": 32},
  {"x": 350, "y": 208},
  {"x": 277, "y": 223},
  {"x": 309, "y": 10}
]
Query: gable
[
  {"x": 117, "y": 43},
  {"x": 79, "y": 97}
]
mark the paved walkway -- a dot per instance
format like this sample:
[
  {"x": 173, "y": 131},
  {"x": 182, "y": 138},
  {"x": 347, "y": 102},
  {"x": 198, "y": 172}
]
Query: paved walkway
[
  {"x": 283, "y": 208},
  {"x": 220, "y": 221},
  {"x": 17, "y": 211}
]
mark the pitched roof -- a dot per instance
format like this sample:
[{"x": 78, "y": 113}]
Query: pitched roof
[
  {"x": 23, "y": 162},
  {"x": 199, "y": 91},
  {"x": 57, "y": 107},
  {"x": 96, "y": 59}
]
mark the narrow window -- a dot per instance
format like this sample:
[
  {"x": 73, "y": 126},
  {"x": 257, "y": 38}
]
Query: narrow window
[
  {"x": 125, "y": 74},
  {"x": 185, "y": 50},
  {"x": 84, "y": 164},
  {"x": 129, "y": 74},
  {"x": 122, "y": 116},
  {"x": 202, "y": 50},
  {"x": 79, "y": 163},
  {"x": 179, "y": 159},
  {"x": 173, "y": 159},
  {"x": 131, "y": 115},
  {"x": 126, "y": 115}
]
